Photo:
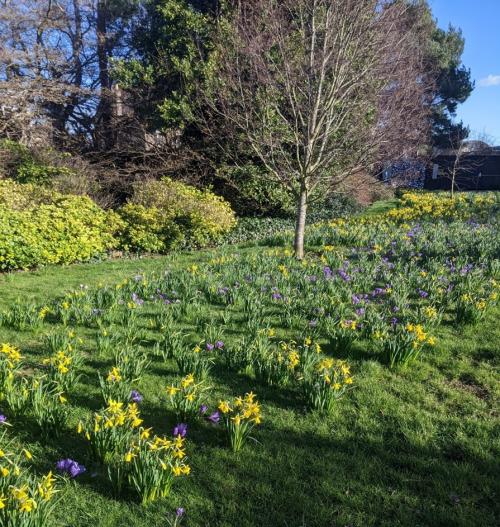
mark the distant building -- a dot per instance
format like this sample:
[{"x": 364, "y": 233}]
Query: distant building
[{"x": 476, "y": 167}]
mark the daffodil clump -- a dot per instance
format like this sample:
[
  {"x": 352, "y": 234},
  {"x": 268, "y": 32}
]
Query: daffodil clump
[
  {"x": 241, "y": 416},
  {"x": 49, "y": 405},
  {"x": 13, "y": 388},
  {"x": 414, "y": 205},
  {"x": 198, "y": 360},
  {"x": 62, "y": 369},
  {"x": 114, "y": 387},
  {"x": 66, "y": 341},
  {"x": 278, "y": 366},
  {"x": 186, "y": 396},
  {"x": 25, "y": 499},
  {"x": 342, "y": 333},
  {"x": 10, "y": 362},
  {"x": 24, "y": 315},
  {"x": 472, "y": 305},
  {"x": 153, "y": 463},
  {"x": 132, "y": 362},
  {"x": 111, "y": 429},
  {"x": 326, "y": 381},
  {"x": 405, "y": 343}
]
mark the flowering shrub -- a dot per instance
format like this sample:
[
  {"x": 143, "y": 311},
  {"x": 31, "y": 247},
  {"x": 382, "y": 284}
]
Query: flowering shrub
[
  {"x": 241, "y": 416},
  {"x": 163, "y": 214},
  {"x": 149, "y": 229},
  {"x": 64, "y": 230}
]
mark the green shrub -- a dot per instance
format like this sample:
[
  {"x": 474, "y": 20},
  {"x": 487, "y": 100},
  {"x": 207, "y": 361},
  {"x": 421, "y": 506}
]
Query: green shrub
[
  {"x": 148, "y": 229},
  {"x": 25, "y": 197},
  {"x": 253, "y": 193},
  {"x": 165, "y": 214},
  {"x": 52, "y": 228},
  {"x": 334, "y": 206},
  {"x": 27, "y": 166}
]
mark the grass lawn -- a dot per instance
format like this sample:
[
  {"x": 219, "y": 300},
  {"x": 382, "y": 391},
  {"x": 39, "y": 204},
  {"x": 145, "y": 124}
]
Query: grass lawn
[{"x": 406, "y": 447}]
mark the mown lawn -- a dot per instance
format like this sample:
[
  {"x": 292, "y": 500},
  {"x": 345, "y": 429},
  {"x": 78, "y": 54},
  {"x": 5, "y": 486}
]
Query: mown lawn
[{"x": 409, "y": 447}]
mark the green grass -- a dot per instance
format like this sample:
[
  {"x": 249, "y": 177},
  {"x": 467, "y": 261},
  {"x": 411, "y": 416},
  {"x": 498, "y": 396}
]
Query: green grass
[{"x": 415, "y": 447}]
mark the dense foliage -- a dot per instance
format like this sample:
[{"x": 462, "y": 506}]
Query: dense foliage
[
  {"x": 165, "y": 214},
  {"x": 39, "y": 226}
]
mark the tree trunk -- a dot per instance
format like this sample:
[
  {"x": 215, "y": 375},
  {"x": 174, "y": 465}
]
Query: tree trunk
[
  {"x": 104, "y": 131},
  {"x": 300, "y": 224}
]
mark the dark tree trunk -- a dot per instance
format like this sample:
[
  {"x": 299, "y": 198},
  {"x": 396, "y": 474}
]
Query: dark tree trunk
[{"x": 104, "y": 114}]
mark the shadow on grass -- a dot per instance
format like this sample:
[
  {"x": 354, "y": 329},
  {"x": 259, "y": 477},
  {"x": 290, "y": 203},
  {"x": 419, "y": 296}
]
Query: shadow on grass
[{"x": 384, "y": 481}]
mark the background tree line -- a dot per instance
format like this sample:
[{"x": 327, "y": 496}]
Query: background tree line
[{"x": 272, "y": 103}]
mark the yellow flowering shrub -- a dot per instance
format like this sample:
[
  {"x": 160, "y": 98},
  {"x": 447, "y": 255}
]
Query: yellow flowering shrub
[
  {"x": 149, "y": 229},
  {"x": 51, "y": 228},
  {"x": 166, "y": 213}
]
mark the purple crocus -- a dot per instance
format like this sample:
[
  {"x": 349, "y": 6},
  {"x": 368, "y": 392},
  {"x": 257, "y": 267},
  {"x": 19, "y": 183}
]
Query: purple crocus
[
  {"x": 423, "y": 294},
  {"x": 179, "y": 512},
  {"x": 345, "y": 277},
  {"x": 210, "y": 347},
  {"x": 70, "y": 468},
  {"x": 327, "y": 272},
  {"x": 135, "y": 397},
  {"x": 3, "y": 419},
  {"x": 203, "y": 409},
  {"x": 219, "y": 344},
  {"x": 137, "y": 300},
  {"x": 180, "y": 430},
  {"x": 214, "y": 418}
]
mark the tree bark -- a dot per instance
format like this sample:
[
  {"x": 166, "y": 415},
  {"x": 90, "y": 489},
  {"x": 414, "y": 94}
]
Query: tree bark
[
  {"x": 300, "y": 224},
  {"x": 104, "y": 109}
]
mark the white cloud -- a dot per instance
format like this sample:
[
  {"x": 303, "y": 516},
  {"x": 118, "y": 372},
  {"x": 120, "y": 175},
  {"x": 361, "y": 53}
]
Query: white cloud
[{"x": 490, "y": 80}]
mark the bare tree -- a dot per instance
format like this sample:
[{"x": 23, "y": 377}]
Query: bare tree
[
  {"x": 318, "y": 90},
  {"x": 466, "y": 160},
  {"x": 55, "y": 68},
  {"x": 27, "y": 65}
]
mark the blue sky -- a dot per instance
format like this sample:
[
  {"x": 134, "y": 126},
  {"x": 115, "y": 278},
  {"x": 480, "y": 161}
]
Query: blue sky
[{"x": 479, "y": 21}]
